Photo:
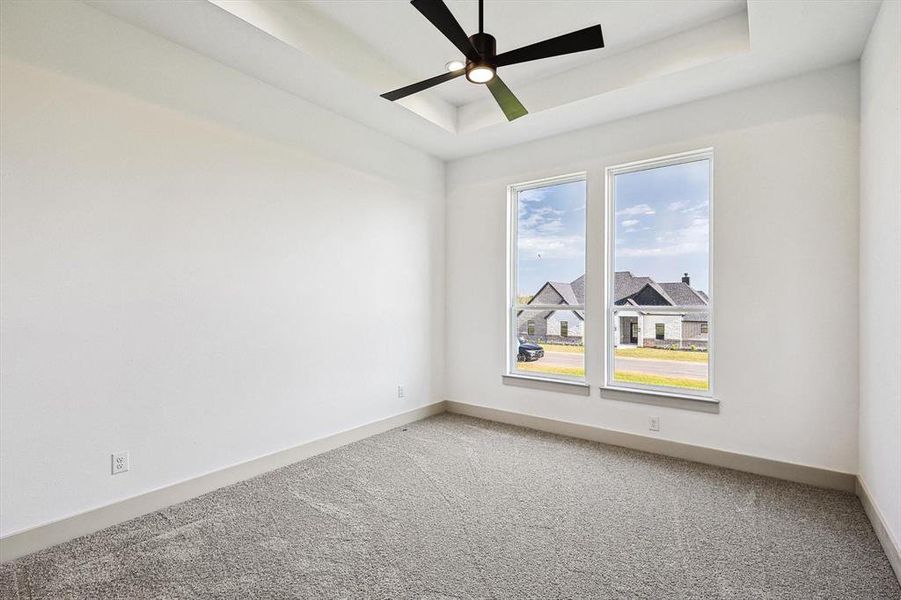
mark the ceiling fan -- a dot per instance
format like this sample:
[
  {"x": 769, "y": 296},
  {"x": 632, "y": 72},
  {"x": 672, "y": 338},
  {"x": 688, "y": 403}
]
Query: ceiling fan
[{"x": 482, "y": 60}]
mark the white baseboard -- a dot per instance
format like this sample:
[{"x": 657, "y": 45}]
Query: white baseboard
[
  {"x": 815, "y": 476},
  {"x": 880, "y": 526},
  {"x": 43, "y": 536}
]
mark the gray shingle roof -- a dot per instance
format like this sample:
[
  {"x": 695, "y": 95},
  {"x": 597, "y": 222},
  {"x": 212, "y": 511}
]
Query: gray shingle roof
[
  {"x": 579, "y": 289},
  {"x": 566, "y": 292},
  {"x": 572, "y": 293},
  {"x": 626, "y": 286},
  {"x": 683, "y": 294}
]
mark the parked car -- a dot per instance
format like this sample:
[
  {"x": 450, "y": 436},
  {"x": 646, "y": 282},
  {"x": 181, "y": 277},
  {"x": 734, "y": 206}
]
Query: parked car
[{"x": 529, "y": 351}]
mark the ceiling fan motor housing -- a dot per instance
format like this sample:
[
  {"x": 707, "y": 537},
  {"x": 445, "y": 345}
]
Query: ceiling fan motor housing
[{"x": 486, "y": 46}]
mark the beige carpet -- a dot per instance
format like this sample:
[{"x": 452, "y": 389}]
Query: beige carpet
[{"x": 453, "y": 507}]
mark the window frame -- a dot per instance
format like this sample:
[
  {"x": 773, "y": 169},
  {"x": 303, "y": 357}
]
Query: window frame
[
  {"x": 611, "y": 309},
  {"x": 511, "y": 304}
]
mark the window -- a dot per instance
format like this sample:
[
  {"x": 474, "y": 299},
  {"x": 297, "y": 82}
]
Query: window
[
  {"x": 658, "y": 274},
  {"x": 546, "y": 279}
]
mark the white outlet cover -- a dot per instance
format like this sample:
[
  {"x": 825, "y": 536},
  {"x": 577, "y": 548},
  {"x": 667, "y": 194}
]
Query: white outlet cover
[
  {"x": 119, "y": 462},
  {"x": 654, "y": 423},
  {"x": 400, "y": 391}
]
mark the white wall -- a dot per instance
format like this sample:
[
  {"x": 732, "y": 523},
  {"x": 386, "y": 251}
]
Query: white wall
[
  {"x": 785, "y": 235},
  {"x": 672, "y": 327},
  {"x": 197, "y": 268},
  {"x": 573, "y": 323},
  {"x": 880, "y": 267}
]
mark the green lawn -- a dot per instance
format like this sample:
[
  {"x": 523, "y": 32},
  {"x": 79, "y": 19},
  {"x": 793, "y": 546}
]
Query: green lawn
[
  {"x": 563, "y": 348},
  {"x": 538, "y": 367},
  {"x": 677, "y": 382},
  {"x": 650, "y": 353},
  {"x": 624, "y": 376},
  {"x": 661, "y": 354}
]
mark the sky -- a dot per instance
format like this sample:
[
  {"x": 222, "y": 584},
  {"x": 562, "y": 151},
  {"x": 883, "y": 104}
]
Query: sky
[
  {"x": 551, "y": 235},
  {"x": 663, "y": 223},
  {"x": 662, "y": 228}
]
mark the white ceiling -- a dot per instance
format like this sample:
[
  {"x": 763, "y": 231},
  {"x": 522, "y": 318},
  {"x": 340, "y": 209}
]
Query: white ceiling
[
  {"x": 343, "y": 54},
  {"x": 398, "y": 32}
]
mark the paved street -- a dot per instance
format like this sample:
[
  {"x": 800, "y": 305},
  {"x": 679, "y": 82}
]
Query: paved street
[{"x": 666, "y": 368}]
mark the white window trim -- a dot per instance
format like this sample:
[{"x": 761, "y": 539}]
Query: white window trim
[
  {"x": 610, "y": 267},
  {"x": 512, "y": 307}
]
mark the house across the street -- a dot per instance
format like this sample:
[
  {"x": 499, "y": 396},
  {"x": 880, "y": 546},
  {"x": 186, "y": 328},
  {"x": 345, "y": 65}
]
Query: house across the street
[{"x": 639, "y": 323}]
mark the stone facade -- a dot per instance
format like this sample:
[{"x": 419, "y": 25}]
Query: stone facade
[
  {"x": 677, "y": 332},
  {"x": 547, "y": 326}
]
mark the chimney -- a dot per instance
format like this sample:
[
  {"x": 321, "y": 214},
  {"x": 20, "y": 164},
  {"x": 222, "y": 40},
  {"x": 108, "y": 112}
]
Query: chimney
[{"x": 686, "y": 279}]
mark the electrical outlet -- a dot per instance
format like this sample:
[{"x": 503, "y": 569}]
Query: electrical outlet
[
  {"x": 654, "y": 423},
  {"x": 119, "y": 462},
  {"x": 400, "y": 391}
]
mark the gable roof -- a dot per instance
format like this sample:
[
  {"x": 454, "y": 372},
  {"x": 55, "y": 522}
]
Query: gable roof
[
  {"x": 625, "y": 284},
  {"x": 639, "y": 291},
  {"x": 578, "y": 287},
  {"x": 572, "y": 293},
  {"x": 630, "y": 290},
  {"x": 578, "y": 313},
  {"x": 683, "y": 294},
  {"x": 566, "y": 292}
]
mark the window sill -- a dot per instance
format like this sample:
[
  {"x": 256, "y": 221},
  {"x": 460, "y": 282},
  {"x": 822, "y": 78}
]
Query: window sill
[
  {"x": 551, "y": 385},
  {"x": 656, "y": 398}
]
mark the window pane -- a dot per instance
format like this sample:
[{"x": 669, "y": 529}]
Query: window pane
[
  {"x": 641, "y": 357},
  {"x": 552, "y": 345},
  {"x": 550, "y": 244},
  {"x": 661, "y": 259}
]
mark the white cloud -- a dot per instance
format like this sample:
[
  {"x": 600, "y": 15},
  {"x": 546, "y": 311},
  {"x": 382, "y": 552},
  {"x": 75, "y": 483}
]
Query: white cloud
[
  {"x": 539, "y": 230},
  {"x": 533, "y": 195},
  {"x": 562, "y": 246},
  {"x": 547, "y": 232},
  {"x": 695, "y": 208},
  {"x": 630, "y": 222},
  {"x": 638, "y": 209},
  {"x": 691, "y": 239},
  {"x": 541, "y": 219},
  {"x": 677, "y": 205}
]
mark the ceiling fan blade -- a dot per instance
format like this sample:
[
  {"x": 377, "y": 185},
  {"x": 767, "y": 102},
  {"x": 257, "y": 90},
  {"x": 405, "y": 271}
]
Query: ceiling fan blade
[
  {"x": 439, "y": 15},
  {"x": 589, "y": 38},
  {"x": 509, "y": 103},
  {"x": 422, "y": 85}
]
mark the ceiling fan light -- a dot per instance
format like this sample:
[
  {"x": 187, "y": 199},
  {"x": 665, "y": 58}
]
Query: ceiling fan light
[
  {"x": 480, "y": 74},
  {"x": 454, "y": 65}
]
